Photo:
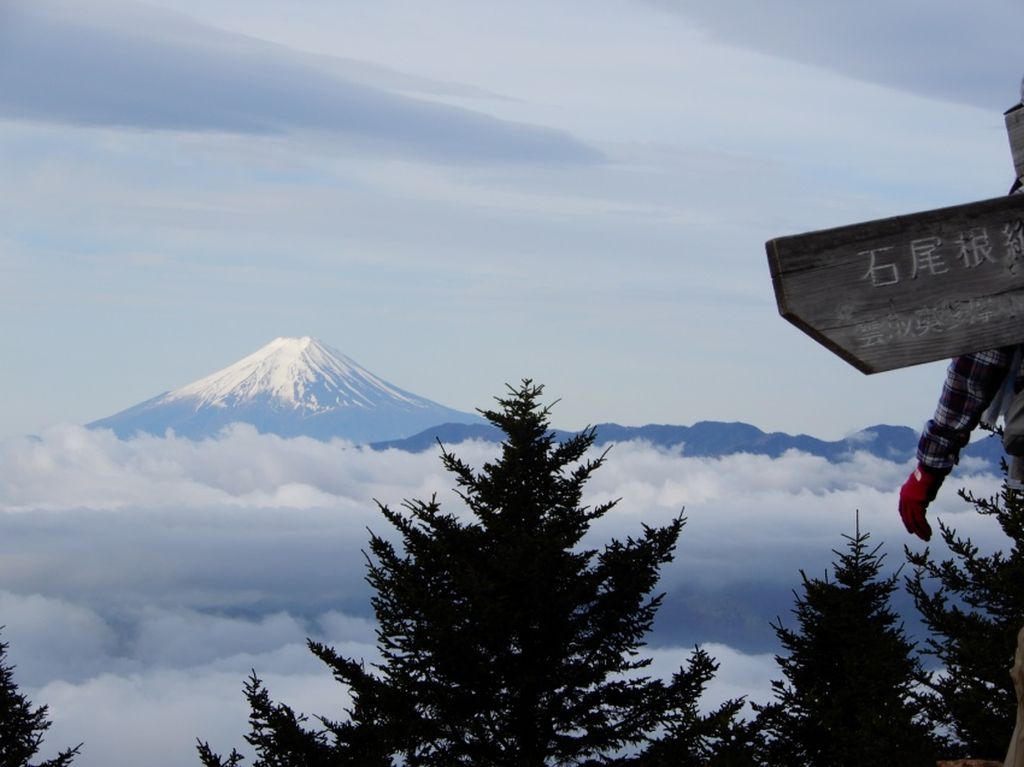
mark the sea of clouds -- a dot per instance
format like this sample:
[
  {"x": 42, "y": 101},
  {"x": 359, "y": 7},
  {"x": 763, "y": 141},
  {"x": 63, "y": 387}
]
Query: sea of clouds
[{"x": 141, "y": 581}]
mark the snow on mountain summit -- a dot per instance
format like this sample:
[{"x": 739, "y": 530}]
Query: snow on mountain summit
[
  {"x": 302, "y": 373},
  {"x": 290, "y": 387}
]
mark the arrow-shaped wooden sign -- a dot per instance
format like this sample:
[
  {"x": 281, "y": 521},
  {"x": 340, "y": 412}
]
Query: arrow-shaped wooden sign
[{"x": 900, "y": 291}]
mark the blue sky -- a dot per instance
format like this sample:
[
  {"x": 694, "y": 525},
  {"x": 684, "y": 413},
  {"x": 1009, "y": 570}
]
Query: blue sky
[{"x": 462, "y": 194}]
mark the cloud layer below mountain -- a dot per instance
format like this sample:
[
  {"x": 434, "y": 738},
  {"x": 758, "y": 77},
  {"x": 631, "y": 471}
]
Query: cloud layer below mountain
[{"x": 143, "y": 580}]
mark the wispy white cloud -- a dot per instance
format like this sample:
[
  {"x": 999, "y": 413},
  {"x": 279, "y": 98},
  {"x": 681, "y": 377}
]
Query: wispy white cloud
[
  {"x": 739, "y": 675},
  {"x": 54, "y": 638},
  {"x": 161, "y": 713},
  {"x": 130, "y": 65},
  {"x": 898, "y": 44}
]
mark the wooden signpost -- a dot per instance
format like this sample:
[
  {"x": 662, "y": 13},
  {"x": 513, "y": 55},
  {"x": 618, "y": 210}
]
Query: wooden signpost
[
  {"x": 901, "y": 291},
  {"x": 897, "y": 292}
]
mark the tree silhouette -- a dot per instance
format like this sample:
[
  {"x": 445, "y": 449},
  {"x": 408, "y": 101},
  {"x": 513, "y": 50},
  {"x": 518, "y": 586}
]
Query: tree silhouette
[
  {"x": 22, "y": 727},
  {"x": 848, "y": 697},
  {"x": 973, "y": 604},
  {"x": 505, "y": 639}
]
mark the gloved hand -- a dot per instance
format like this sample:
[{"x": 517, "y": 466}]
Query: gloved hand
[{"x": 917, "y": 492}]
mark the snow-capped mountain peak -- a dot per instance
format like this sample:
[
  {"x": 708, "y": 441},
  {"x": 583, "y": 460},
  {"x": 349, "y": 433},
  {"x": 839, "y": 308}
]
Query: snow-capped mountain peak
[
  {"x": 290, "y": 387},
  {"x": 300, "y": 373}
]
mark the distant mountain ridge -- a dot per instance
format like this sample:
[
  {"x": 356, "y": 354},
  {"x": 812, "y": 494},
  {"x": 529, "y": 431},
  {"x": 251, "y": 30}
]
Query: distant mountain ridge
[{"x": 713, "y": 439}]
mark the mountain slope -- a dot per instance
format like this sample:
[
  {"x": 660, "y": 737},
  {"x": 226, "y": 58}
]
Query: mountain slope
[{"x": 290, "y": 387}]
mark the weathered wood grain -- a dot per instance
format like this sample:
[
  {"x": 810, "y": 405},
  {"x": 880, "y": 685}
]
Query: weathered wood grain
[
  {"x": 910, "y": 289},
  {"x": 1015, "y": 132}
]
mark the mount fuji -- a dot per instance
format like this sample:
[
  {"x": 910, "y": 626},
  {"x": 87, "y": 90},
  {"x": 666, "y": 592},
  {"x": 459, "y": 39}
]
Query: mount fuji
[{"x": 291, "y": 387}]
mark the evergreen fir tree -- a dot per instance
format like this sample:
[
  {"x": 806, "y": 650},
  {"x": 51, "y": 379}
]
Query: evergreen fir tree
[
  {"x": 22, "y": 727},
  {"x": 973, "y": 605},
  {"x": 504, "y": 639},
  {"x": 848, "y": 694}
]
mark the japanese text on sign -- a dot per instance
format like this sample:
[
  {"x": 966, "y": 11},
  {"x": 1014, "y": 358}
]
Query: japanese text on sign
[
  {"x": 927, "y": 257},
  {"x": 939, "y": 319}
]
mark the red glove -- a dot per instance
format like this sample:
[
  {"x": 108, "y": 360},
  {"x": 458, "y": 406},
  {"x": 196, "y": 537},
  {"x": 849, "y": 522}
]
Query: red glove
[{"x": 917, "y": 492}]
